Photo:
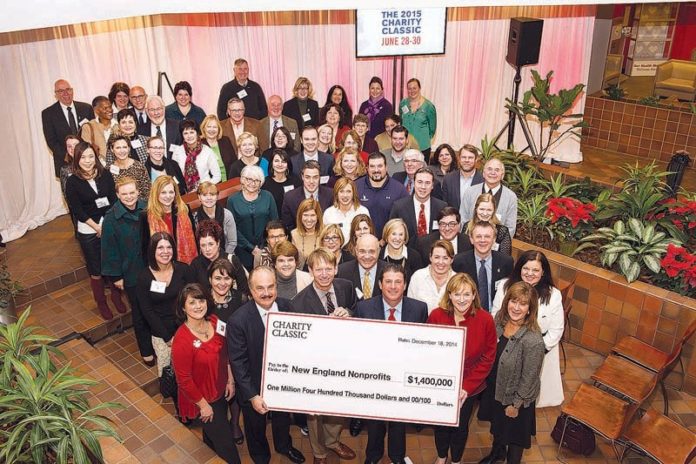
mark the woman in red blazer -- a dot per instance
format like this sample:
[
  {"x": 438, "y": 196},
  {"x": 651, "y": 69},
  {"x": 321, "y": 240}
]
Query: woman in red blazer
[{"x": 460, "y": 306}]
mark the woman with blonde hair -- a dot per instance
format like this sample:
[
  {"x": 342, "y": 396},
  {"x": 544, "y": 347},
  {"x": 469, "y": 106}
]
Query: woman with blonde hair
[
  {"x": 360, "y": 225},
  {"x": 327, "y": 143},
  {"x": 484, "y": 210},
  {"x": 331, "y": 237},
  {"x": 348, "y": 164},
  {"x": 395, "y": 249},
  {"x": 460, "y": 306},
  {"x": 302, "y": 107},
  {"x": 221, "y": 145},
  {"x": 167, "y": 212},
  {"x": 345, "y": 205},
  {"x": 513, "y": 384},
  {"x": 248, "y": 152},
  {"x": 308, "y": 219}
]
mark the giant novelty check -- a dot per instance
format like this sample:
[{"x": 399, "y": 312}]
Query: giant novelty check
[{"x": 363, "y": 368}]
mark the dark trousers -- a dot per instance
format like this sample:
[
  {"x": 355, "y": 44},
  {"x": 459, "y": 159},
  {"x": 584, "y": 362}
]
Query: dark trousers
[
  {"x": 255, "y": 431},
  {"x": 90, "y": 245},
  {"x": 143, "y": 335},
  {"x": 426, "y": 155},
  {"x": 453, "y": 439},
  {"x": 376, "y": 431},
  {"x": 217, "y": 434}
]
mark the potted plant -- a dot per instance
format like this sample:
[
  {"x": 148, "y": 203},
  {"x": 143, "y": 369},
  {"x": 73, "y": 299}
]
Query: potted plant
[
  {"x": 569, "y": 221},
  {"x": 44, "y": 413},
  {"x": 9, "y": 288}
]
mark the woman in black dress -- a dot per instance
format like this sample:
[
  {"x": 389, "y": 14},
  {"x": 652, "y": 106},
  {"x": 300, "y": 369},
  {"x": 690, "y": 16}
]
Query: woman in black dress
[{"x": 280, "y": 179}]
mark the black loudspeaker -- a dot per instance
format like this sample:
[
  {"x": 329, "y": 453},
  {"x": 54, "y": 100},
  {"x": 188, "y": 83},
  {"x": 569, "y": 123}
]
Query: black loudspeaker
[{"x": 524, "y": 41}]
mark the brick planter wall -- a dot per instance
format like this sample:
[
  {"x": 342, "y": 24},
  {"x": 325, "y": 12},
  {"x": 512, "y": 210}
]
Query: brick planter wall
[
  {"x": 639, "y": 130},
  {"x": 606, "y": 308}
]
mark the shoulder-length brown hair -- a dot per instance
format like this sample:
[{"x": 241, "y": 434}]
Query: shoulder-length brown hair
[
  {"x": 520, "y": 292},
  {"x": 195, "y": 291},
  {"x": 308, "y": 204},
  {"x": 457, "y": 283},
  {"x": 80, "y": 148},
  {"x": 354, "y": 225}
]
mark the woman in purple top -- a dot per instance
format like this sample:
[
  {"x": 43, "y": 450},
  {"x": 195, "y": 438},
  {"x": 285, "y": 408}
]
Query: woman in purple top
[{"x": 376, "y": 108}]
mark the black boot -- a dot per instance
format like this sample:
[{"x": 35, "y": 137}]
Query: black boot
[
  {"x": 514, "y": 454},
  {"x": 498, "y": 454}
]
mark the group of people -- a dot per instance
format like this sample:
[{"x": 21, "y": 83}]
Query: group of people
[{"x": 357, "y": 224}]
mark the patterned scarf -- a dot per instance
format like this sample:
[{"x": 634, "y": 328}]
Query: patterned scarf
[
  {"x": 183, "y": 235},
  {"x": 373, "y": 108},
  {"x": 191, "y": 175}
]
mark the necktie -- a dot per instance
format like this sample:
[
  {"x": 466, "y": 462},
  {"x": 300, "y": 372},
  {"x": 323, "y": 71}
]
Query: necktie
[
  {"x": 367, "y": 287},
  {"x": 330, "y": 308},
  {"x": 141, "y": 119},
  {"x": 275, "y": 125},
  {"x": 483, "y": 285},
  {"x": 159, "y": 132},
  {"x": 391, "y": 314},
  {"x": 71, "y": 121},
  {"x": 422, "y": 226},
  {"x": 409, "y": 186}
]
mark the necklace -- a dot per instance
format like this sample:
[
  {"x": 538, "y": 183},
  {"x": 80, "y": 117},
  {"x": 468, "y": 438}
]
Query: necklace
[{"x": 204, "y": 332}]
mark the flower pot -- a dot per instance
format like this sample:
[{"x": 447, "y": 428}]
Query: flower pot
[
  {"x": 8, "y": 312},
  {"x": 567, "y": 247}
]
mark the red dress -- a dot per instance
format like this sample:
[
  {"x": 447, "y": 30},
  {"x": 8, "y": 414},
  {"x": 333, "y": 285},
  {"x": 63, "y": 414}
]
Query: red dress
[
  {"x": 200, "y": 368},
  {"x": 481, "y": 342}
]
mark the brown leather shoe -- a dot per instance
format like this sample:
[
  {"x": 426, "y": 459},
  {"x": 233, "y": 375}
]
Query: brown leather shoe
[
  {"x": 319, "y": 460},
  {"x": 344, "y": 452}
]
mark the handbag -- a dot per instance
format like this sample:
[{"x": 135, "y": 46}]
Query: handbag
[
  {"x": 578, "y": 438},
  {"x": 167, "y": 382}
]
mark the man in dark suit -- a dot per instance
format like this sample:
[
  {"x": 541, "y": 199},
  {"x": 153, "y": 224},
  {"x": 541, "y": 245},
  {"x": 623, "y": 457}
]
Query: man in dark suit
[
  {"x": 449, "y": 226},
  {"x": 138, "y": 99},
  {"x": 327, "y": 295},
  {"x": 157, "y": 124},
  {"x": 364, "y": 271},
  {"x": 310, "y": 188},
  {"x": 392, "y": 305},
  {"x": 274, "y": 120},
  {"x": 237, "y": 122},
  {"x": 245, "y": 89},
  {"x": 457, "y": 181},
  {"x": 420, "y": 211},
  {"x": 483, "y": 264},
  {"x": 310, "y": 142},
  {"x": 413, "y": 161},
  {"x": 246, "y": 330},
  {"x": 63, "y": 118}
]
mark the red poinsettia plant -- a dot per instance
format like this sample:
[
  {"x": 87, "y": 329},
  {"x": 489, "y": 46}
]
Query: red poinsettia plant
[
  {"x": 685, "y": 212},
  {"x": 680, "y": 266},
  {"x": 570, "y": 218}
]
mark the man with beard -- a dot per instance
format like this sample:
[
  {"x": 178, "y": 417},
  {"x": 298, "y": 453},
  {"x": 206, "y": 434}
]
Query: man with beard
[
  {"x": 456, "y": 182},
  {"x": 378, "y": 192}
]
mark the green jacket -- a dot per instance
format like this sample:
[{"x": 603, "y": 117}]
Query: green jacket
[{"x": 121, "y": 250}]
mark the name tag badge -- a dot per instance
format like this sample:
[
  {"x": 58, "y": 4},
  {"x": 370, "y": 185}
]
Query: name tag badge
[
  {"x": 176, "y": 181},
  {"x": 404, "y": 109},
  {"x": 158, "y": 287},
  {"x": 293, "y": 135},
  {"x": 287, "y": 188},
  {"x": 242, "y": 93},
  {"x": 84, "y": 121},
  {"x": 496, "y": 246},
  {"x": 323, "y": 179},
  {"x": 306, "y": 117},
  {"x": 359, "y": 292},
  {"x": 115, "y": 170},
  {"x": 173, "y": 147},
  {"x": 436, "y": 226},
  {"x": 500, "y": 218},
  {"x": 220, "y": 328},
  {"x": 102, "y": 202},
  {"x": 135, "y": 143}
]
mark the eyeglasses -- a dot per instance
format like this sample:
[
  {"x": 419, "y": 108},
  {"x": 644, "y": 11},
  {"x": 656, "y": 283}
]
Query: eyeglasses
[
  {"x": 249, "y": 179},
  {"x": 276, "y": 237},
  {"x": 444, "y": 225},
  {"x": 138, "y": 97},
  {"x": 62, "y": 91},
  {"x": 156, "y": 110},
  {"x": 331, "y": 238},
  {"x": 156, "y": 148}
]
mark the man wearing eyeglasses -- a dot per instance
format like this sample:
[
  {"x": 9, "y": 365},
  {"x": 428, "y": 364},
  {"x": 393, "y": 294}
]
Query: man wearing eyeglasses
[
  {"x": 237, "y": 122},
  {"x": 332, "y": 296},
  {"x": 449, "y": 225},
  {"x": 138, "y": 97},
  {"x": 63, "y": 118},
  {"x": 158, "y": 125}
]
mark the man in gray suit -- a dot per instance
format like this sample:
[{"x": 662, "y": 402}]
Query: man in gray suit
[
  {"x": 274, "y": 120},
  {"x": 505, "y": 199},
  {"x": 456, "y": 182}
]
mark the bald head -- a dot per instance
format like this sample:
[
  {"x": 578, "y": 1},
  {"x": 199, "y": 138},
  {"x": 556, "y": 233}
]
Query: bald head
[
  {"x": 367, "y": 250},
  {"x": 493, "y": 172},
  {"x": 137, "y": 97},
  {"x": 275, "y": 106},
  {"x": 262, "y": 285},
  {"x": 63, "y": 92}
]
